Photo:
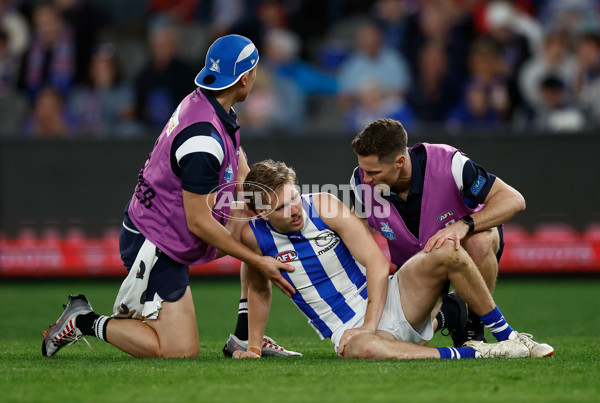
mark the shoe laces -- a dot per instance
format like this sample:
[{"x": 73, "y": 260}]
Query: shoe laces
[
  {"x": 65, "y": 340},
  {"x": 527, "y": 339},
  {"x": 270, "y": 343}
]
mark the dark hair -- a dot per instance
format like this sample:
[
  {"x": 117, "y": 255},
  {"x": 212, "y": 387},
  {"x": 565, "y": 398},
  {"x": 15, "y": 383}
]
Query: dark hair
[
  {"x": 385, "y": 138},
  {"x": 265, "y": 177}
]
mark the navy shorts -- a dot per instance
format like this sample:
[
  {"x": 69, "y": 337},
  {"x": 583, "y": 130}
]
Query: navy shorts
[{"x": 168, "y": 277}]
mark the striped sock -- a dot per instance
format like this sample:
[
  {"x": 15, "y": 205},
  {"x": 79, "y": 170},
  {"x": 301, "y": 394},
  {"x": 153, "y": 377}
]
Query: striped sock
[
  {"x": 99, "y": 326},
  {"x": 452, "y": 353},
  {"x": 494, "y": 321},
  {"x": 241, "y": 328}
]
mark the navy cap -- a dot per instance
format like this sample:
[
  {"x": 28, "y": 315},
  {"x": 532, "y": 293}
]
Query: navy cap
[{"x": 227, "y": 59}]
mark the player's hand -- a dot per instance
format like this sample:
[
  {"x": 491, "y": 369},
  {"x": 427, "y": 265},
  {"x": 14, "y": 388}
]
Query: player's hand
[
  {"x": 454, "y": 232},
  {"x": 239, "y": 354},
  {"x": 271, "y": 269},
  {"x": 349, "y": 334}
]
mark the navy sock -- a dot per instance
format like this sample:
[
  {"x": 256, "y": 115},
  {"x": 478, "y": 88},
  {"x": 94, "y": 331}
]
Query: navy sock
[
  {"x": 494, "y": 321},
  {"x": 241, "y": 328},
  {"x": 456, "y": 353}
]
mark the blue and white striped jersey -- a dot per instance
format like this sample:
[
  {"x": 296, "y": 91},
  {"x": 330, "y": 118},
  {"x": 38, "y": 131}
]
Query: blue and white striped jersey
[{"x": 331, "y": 285}]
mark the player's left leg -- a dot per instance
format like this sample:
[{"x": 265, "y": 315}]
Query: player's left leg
[
  {"x": 421, "y": 278},
  {"x": 384, "y": 346}
]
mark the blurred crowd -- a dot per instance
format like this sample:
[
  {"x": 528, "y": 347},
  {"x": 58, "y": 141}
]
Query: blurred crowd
[{"x": 113, "y": 68}]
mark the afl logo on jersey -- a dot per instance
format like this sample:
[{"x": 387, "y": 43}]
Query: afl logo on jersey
[
  {"x": 444, "y": 216},
  {"x": 287, "y": 256},
  {"x": 228, "y": 175},
  {"x": 387, "y": 231}
]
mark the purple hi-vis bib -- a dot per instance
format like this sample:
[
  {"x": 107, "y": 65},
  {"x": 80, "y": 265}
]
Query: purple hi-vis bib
[
  {"x": 441, "y": 205},
  {"x": 156, "y": 208}
]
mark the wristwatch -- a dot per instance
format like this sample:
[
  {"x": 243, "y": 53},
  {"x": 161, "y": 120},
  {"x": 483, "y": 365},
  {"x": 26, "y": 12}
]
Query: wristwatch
[{"x": 469, "y": 221}]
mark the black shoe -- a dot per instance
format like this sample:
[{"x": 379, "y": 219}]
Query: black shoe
[
  {"x": 473, "y": 331},
  {"x": 456, "y": 313}
]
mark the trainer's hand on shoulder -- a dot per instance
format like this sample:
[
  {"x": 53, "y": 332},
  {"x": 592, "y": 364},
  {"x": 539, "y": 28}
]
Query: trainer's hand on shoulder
[
  {"x": 271, "y": 269},
  {"x": 349, "y": 334},
  {"x": 454, "y": 232},
  {"x": 239, "y": 354}
]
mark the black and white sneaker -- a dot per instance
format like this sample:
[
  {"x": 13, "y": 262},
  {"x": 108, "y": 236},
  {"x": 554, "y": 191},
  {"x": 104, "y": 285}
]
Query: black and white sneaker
[{"x": 64, "y": 331}]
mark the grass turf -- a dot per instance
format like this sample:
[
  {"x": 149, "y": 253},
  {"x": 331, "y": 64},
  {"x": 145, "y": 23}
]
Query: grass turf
[{"x": 560, "y": 312}]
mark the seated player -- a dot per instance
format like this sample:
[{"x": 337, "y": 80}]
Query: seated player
[{"x": 343, "y": 285}]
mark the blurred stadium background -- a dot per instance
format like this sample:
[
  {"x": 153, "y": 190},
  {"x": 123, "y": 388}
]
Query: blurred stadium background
[{"x": 86, "y": 86}]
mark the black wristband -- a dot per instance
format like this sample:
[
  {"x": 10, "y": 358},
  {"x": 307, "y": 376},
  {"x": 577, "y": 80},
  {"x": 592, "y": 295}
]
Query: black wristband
[{"x": 469, "y": 221}]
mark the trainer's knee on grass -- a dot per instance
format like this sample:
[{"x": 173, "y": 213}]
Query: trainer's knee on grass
[{"x": 181, "y": 352}]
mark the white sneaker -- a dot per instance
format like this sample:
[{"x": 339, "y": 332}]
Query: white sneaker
[
  {"x": 64, "y": 331},
  {"x": 535, "y": 349},
  {"x": 269, "y": 347},
  {"x": 503, "y": 349}
]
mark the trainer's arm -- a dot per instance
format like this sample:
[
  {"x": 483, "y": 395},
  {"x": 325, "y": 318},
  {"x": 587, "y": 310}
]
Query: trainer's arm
[
  {"x": 200, "y": 221},
  {"x": 362, "y": 246},
  {"x": 259, "y": 302},
  {"x": 243, "y": 170},
  {"x": 501, "y": 204}
]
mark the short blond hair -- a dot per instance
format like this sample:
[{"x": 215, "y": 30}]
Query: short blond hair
[{"x": 265, "y": 177}]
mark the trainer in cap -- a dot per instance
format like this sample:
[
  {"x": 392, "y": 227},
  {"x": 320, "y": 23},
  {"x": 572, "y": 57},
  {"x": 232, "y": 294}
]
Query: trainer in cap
[{"x": 227, "y": 59}]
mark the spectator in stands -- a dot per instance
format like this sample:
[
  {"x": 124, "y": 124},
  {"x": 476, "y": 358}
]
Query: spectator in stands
[
  {"x": 391, "y": 16},
  {"x": 554, "y": 114},
  {"x": 587, "y": 79},
  {"x": 474, "y": 112},
  {"x": 373, "y": 104},
  {"x": 372, "y": 61},
  {"x": 515, "y": 15},
  {"x": 260, "y": 17},
  {"x": 275, "y": 104},
  {"x": 487, "y": 78},
  {"x": 49, "y": 117},
  {"x": 104, "y": 106},
  {"x": 85, "y": 22},
  {"x": 282, "y": 57},
  {"x": 441, "y": 22},
  {"x": 434, "y": 93},
  {"x": 554, "y": 59},
  {"x": 51, "y": 59},
  {"x": 163, "y": 81},
  {"x": 513, "y": 47}
]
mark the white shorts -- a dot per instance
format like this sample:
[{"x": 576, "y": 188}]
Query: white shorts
[{"x": 392, "y": 320}]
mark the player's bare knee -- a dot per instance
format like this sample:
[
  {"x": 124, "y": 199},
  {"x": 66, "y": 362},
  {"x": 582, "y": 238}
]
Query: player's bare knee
[
  {"x": 451, "y": 259},
  {"x": 361, "y": 346},
  {"x": 447, "y": 254}
]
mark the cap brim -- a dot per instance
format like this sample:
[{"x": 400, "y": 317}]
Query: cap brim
[{"x": 220, "y": 82}]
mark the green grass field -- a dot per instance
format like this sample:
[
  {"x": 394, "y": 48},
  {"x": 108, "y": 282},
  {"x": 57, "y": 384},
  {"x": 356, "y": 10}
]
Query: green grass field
[{"x": 559, "y": 311}]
